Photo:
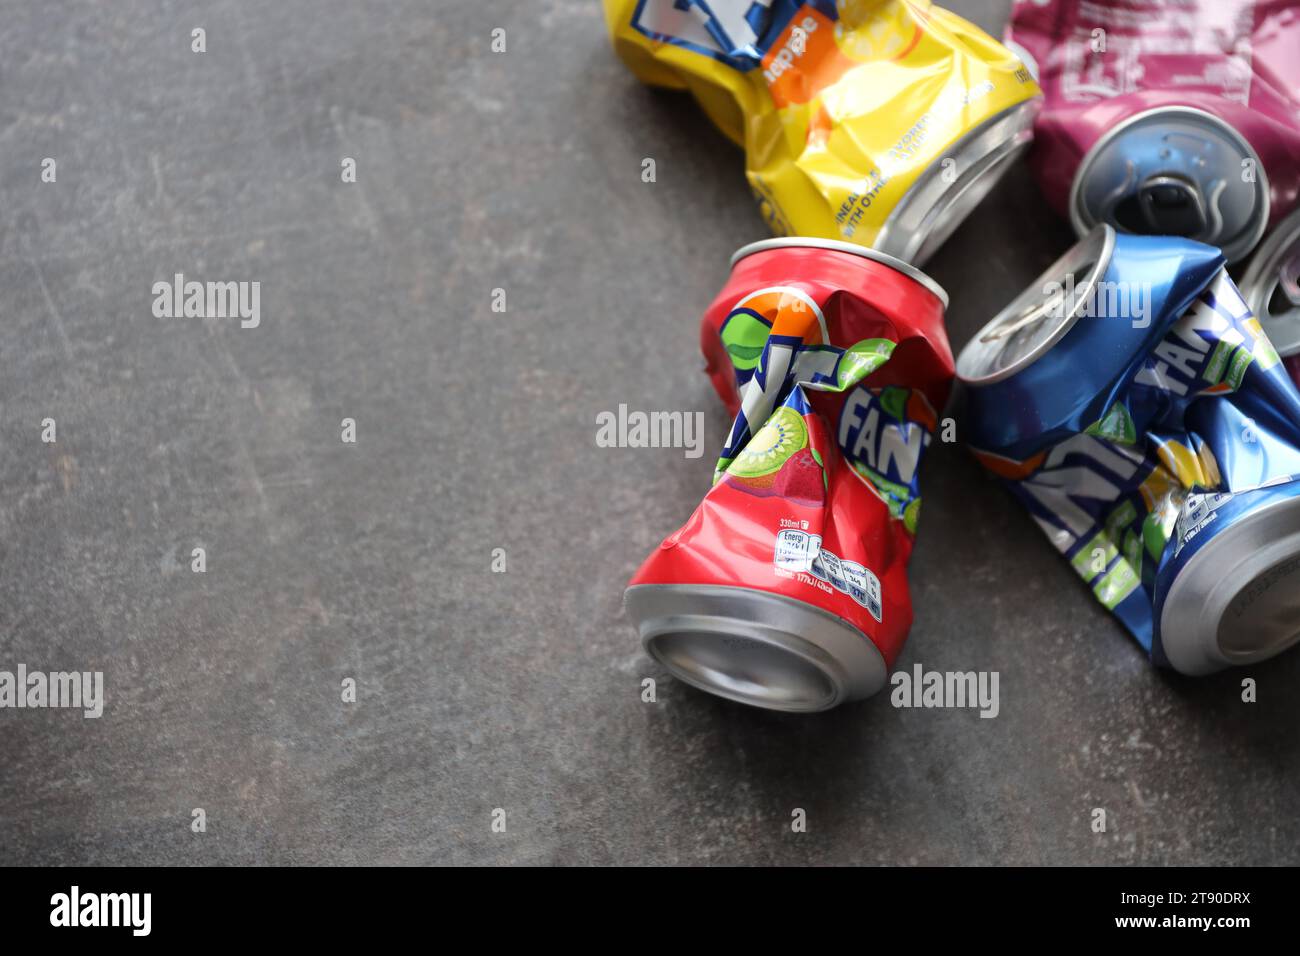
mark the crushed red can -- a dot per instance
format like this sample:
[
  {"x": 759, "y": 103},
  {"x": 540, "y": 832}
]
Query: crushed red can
[
  {"x": 787, "y": 588},
  {"x": 1166, "y": 117}
]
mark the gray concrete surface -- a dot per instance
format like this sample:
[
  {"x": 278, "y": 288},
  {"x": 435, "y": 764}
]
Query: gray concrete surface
[{"x": 479, "y": 690}]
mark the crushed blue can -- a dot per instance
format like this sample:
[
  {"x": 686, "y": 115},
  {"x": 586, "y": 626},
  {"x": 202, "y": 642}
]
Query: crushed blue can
[{"x": 1133, "y": 404}]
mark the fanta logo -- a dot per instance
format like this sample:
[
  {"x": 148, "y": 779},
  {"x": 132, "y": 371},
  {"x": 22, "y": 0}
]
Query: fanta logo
[
  {"x": 795, "y": 46},
  {"x": 1209, "y": 349},
  {"x": 779, "y": 311},
  {"x": 1172, "y": 367},
  {"x": 722, "y": 30},
  {"x": 1081, "y": 468},
  {"x": 886, "y": 441}
]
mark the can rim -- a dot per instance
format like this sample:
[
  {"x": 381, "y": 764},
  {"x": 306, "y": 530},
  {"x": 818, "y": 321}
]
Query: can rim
[
  {"x": 1257, "y": 283},
  {"x": 836, "y": 245},
  {"x": 848, "y": 663},
  {"x": 925, "y": 218},
  {"x": 1200, "y": 595},
  {"x": 1103, "y": 233},
  {"x": 1082, "y": 226}
]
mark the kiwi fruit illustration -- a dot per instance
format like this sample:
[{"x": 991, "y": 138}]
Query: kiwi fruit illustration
[{"x": 783, "y": 434}]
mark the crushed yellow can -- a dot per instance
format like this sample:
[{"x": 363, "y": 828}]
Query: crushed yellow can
[{"x": 878, "y": 122}]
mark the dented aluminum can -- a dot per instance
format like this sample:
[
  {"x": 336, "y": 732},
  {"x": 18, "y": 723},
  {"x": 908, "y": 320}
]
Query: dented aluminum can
[
  {"x": 1166, "y": 117},
  {"x": 877, "y": 122},
  {"x": 787, "y": 588},
  {"x": 1135, "y": 407}
]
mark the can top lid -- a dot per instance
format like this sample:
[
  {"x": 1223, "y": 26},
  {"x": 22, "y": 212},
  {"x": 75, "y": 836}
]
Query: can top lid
[
  {"x": 1271, "y": 286},
  {"x": 835, "y": 245},
  {"x": 1040, "y": 316},
  {"x": 1174, "y": 171}
]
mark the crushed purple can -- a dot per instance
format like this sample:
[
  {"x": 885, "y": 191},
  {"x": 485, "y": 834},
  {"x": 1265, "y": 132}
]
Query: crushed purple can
[{"x": 1166, "y": 117}]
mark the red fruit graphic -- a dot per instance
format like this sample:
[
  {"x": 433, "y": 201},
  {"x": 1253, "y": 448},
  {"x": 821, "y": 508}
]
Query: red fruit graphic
[{"x": 800, "y": 479}]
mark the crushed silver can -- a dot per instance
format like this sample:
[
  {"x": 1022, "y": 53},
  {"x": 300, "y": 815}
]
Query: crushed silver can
[{"x": 1272, "y": 289}]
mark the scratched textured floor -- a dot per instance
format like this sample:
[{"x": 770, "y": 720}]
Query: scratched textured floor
[{"x": 476, "y": 430}]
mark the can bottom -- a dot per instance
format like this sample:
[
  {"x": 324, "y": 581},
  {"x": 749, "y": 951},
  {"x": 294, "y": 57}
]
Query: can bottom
[
  {"x": 1238, "y": 600},
  {"x": 754, "y": 647},
  {"x": 933, "y": 208}
]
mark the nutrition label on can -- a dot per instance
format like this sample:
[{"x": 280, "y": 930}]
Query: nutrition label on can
[
  {"x": 798, "y": 552},
  {"x": 1197, "y": 512}
]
